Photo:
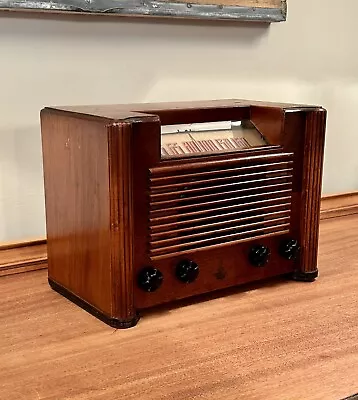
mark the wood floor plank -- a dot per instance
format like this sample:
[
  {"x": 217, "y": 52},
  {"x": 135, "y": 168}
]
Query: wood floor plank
[{"x": 282, "y": 340}]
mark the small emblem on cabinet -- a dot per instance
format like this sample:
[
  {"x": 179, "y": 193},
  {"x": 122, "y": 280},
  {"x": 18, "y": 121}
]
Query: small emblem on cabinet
[{"x": 220, "y": 274}]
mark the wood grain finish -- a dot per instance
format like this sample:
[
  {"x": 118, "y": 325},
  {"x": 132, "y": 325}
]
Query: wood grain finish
[
  {"x": 103, "y": 185},
  {"x": 311, "y": 189},
  {"x": 239, "y": 189},
  {"x": 269, "y": 121},
  {"x": 23, "y": 257},
  {"x": 182, "y": 112},
  {"x": 122, "y": 232},
  {"x": 78, "y": 206},
  {"x": 339, "y": 205},
  {"x": 243, "y": 3},
  {"x": 273, "y": 341},
  {"x": 24, "y": 243},
  {"x": 236, "y": 10},
  {"x": 220, "y": 267}
]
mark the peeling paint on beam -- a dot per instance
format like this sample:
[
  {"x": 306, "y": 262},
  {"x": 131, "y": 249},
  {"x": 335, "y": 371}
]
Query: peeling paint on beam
[{"x": 151, "y": 8}]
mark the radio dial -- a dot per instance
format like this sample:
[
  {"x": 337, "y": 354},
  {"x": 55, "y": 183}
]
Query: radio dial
[
  {"x": 187, "y": 271},
  {"x": 150, "y": 279},
  {"x": 289, "y": 249},
  {"x": 259, "y": 255}
]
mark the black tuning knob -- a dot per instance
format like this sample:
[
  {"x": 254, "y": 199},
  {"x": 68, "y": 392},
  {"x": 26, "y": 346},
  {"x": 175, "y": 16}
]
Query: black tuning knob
[
  {"x": 187, "y": 271},
  {"x": 289, "y": 249},
  {"x": 259, "y": 255},
  {"x": 150, "y": 279}
]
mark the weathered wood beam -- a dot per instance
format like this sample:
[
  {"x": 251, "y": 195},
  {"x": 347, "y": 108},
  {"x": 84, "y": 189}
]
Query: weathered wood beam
[{"x": 241, "y": 10}]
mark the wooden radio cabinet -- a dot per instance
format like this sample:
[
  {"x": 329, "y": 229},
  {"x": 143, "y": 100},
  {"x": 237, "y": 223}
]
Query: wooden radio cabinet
[{"x": 150, "y": 203}]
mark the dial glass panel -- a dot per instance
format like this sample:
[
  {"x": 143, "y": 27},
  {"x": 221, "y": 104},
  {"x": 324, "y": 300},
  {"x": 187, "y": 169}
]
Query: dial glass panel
[{"x": 209, "y": 138}]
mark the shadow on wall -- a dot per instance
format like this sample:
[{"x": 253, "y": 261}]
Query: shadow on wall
[
  {"x": 150, "y": 29},
  {"x": 110, "y": 52}
]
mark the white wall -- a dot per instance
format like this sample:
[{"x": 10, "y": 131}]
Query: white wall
[{"x": 55, "y": 61}]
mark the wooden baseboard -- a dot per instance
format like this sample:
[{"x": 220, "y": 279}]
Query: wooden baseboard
[
  {"x": 32, "y": 255},
  {"x": 23, "y": 257},
  {"x": 339, "y": 205}
]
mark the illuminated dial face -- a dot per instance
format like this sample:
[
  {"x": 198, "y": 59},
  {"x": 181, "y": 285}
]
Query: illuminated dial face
[{"x": 209, "y": 138}]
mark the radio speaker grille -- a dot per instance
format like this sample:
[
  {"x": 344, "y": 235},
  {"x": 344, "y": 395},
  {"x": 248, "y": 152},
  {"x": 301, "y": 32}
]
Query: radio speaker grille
[{"x": 200, "y": 206}]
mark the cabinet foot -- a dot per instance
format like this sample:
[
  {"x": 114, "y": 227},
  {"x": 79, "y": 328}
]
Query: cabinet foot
[
  {"x": 302, "y": 276},
  {"x": 117, "y": 323}
]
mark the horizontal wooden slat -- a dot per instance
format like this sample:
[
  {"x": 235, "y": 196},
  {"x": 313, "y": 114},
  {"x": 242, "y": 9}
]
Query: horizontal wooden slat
[
  {"x": 189, "y": 237},
  {"x": 283, "y": 200},
  {"x": 205, "y": 244},
  {"x": 198, "y": 182},
  {"x": 203, "y": 197},
  {"x": 188, "y": 192},
  {"x": 216, "y": 246},
  {"x": 213, "y": 203},
  {"x": 220, "y": 213},
  {"x": 220, "y": 164},
  {"x": 250, "y": 201},
  {"x": 209, "y": 227},
  {"x": 19, "y": 245},
  {"x": 156, "y": 181},
  {"x": 23, "y": 256},
  {"x": 338, "y": 205}
]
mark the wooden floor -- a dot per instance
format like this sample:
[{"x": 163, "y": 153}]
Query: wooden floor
[{"x": 284, "y": 340}]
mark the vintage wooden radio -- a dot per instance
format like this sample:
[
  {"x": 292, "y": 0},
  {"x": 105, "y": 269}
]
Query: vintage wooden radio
[{"x": 150, "y": 203}]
